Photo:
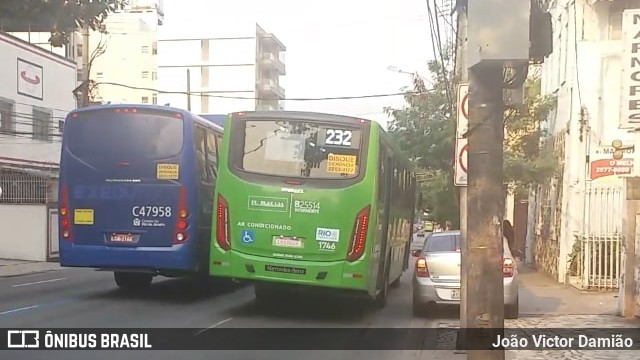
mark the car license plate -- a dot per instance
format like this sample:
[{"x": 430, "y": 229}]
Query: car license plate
[
  {"x": 122, "y": 238},
  {"x": 455, "y": 294},
  {"x": 285, "y": 241}
]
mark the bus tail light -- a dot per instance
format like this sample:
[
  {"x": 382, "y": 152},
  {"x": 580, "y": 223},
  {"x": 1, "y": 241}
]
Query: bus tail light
[
  {"x": 65, "y": 226},
  {"x": 222, "y": 223},
  {"x": 422, "y": 270},
  {"x": 182, "y": 223},
  {"x": 507, "y": 267},
  {"x": 359, "y": 234}
]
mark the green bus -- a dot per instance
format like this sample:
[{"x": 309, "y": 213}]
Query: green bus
[{"x": 313, "y": 201}]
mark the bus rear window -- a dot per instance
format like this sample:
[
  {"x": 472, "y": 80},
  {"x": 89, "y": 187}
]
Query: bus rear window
[
  {"x": 300, "y": 149},
  {"x": 124, "y": 135}
]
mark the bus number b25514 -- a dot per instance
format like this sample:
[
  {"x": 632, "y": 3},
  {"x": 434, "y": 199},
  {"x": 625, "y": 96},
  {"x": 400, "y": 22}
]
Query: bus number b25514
[{"x": 151, "y": 211}]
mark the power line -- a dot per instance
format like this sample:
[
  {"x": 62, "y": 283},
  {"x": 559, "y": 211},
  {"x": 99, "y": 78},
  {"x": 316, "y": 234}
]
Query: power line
[{"x": 208, "y": 94}]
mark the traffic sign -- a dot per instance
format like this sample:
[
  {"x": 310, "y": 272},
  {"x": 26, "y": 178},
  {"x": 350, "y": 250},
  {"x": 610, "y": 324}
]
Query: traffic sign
[
  {"x": 463, "y": 110},
  {"x": 462, "y": 145},
  {"x": 461, "y": 162}
]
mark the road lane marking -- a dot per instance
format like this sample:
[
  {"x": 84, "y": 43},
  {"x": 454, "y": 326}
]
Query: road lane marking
[
  {"x": 38, "y": 282},
  {"x": 19, "y": 309},
  {"x": 212, "y": 326}
]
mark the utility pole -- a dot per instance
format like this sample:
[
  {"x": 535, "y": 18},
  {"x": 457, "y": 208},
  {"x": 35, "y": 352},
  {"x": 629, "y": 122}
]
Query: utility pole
[
  {"x": 463, "y": 75},
  {"x": 498, "y": 37},
  {"x": 485, "y": 205},
  {"x": 189, "y": 89},
  {"x": 85, "y": 63}
]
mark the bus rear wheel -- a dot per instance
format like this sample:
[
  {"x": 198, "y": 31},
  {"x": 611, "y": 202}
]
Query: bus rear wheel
[{"x": 132, "y": 281}]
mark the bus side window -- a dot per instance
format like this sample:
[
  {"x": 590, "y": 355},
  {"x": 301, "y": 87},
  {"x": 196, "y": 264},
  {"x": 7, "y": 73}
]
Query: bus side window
[
  {"x": 382, "y": 173},
  {"x": 200, "y": 138},
  {"x": 212, "y": 154}
]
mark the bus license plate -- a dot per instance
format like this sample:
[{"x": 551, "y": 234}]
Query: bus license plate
[
  {"x": 455, "y": 294},
  {"x": 122, "y": 238},
  {"x": 289, "y": 242}
]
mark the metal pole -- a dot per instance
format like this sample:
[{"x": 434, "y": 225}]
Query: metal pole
[
  {"x": 85, "y": 63},
  {"x": 189, "y": 89},
  {"x": 485, "y": 206}
]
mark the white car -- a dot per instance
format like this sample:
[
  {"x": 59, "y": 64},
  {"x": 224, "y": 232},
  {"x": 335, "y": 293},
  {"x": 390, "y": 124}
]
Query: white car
[{"x": 436, "y": 277}]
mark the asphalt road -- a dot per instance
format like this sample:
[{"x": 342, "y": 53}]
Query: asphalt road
[{"x": 77, "y": 298}]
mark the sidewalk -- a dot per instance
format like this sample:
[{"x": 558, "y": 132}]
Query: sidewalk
[
  {"x": 12, "y": 268},
  {"x": 545, "y": 303}
]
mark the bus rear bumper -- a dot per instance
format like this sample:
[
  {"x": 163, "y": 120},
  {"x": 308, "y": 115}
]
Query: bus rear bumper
[
  {"x": 156, "y": 259},
  {"x": 332, "y": 274}
]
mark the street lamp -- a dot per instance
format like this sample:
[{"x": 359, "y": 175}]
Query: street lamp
[{"x": 415, "y": 73}]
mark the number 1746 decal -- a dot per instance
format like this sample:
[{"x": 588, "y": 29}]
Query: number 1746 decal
[{"x": 327, "y": 245}]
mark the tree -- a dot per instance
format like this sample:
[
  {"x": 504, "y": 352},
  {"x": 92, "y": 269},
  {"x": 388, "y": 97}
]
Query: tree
[
  {"x": 526, "y": 161},
  {"x": 425, "y": 130},
  {"x": 61, "y": 17}
]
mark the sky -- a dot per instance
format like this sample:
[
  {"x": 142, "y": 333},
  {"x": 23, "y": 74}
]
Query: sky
[{"x": 334, "y": 47}]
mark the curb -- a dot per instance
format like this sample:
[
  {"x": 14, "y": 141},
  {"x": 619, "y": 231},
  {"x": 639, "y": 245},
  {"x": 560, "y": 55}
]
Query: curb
[{"x": 28, "y": 273}]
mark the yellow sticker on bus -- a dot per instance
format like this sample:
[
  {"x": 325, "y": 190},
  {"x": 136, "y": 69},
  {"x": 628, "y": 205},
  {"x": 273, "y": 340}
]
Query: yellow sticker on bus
[
  {"x": 168, "y": 171},
  {"x": 83, "y": 216},
  {"x": 341, "y": 164}
]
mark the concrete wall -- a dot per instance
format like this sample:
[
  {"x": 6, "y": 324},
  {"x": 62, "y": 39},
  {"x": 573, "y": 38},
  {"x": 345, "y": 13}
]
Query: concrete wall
[{"x": 24, "y": 232}]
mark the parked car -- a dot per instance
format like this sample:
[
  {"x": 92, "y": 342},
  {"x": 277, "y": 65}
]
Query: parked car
[{"x": 436, "y": 278}]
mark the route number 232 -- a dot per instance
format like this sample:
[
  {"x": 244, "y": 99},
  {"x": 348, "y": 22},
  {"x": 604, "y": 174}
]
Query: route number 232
[{"x": 338, "y": 137}]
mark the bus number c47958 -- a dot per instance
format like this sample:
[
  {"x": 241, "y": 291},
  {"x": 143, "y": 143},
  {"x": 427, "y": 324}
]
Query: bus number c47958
[{"x": 151, "y": 211}]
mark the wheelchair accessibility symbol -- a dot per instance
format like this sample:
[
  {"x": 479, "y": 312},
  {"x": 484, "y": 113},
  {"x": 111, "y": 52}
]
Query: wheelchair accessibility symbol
[{"x": 247, "y": 236}]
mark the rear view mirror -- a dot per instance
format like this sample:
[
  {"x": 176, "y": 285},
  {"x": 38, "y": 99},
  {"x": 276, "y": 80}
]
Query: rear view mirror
[{"x": 416, "y": 252}]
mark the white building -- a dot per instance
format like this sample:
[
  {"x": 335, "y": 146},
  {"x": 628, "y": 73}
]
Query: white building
[
  {"x": 237, "y": 69},
  {"x": 578, "y": 216},
  {"x": 126, "y": 55},
  {"x": 128, "y": 66},
  {"x": 35, "y": 96}
]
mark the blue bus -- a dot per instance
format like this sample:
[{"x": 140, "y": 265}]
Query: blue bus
[{"x": 136, "y": 191}]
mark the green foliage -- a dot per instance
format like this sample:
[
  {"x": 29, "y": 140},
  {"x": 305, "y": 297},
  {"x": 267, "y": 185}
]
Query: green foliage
[
  {"x": 525, "y": 163},
  {"x": 65, "y": 16},
  {"x": 425, "y": 130}
]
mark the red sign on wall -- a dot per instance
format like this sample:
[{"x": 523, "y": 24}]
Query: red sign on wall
[{"x": 608, "y": 167}]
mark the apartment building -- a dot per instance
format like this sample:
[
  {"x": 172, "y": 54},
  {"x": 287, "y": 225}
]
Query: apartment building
[{"x": 238, "y": 69}]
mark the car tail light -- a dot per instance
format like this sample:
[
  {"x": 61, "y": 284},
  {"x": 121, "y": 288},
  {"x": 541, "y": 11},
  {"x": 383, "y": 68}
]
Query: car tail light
[
  {"x": 359, "y": 234},
  {"x": 182, "y": 222},
  {"x": 223, "y": 236},
  {"x": 507, "y": 267},
  {"x": 65, "y": 227},
  {"x": 422, "y": 270}
]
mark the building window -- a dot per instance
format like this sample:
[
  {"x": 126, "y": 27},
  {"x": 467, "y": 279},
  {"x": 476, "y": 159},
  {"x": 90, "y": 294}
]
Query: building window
[
  {"x": 60, "y": 126},
  {"x": 41, "y": 124},
  {"x": 79, "y": 50},
  {"x": 79, "y": 75},
  {"x": 7, "y": 121},
  {"x": 145, "y": 100},
  {"x": 145, "y": 74},
  {"x": 154, "y": 99},
  {"x": 145, "y": 49},
  {"x": 154, "y": 48},
  {"x": 154, "y": 75}
]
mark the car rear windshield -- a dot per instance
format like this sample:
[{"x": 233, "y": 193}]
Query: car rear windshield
[
  {"x": 153, "y": 135},
  {"x": 300, "y": 149},
  {"x": 443, "y": 243}
]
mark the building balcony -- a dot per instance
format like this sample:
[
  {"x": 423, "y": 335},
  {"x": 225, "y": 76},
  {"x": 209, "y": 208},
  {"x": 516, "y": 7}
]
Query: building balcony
[
  {"x": 272, "y": 61},
  {"x": 270, "y": 89},
  {"x": 271, "y": 42}
]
